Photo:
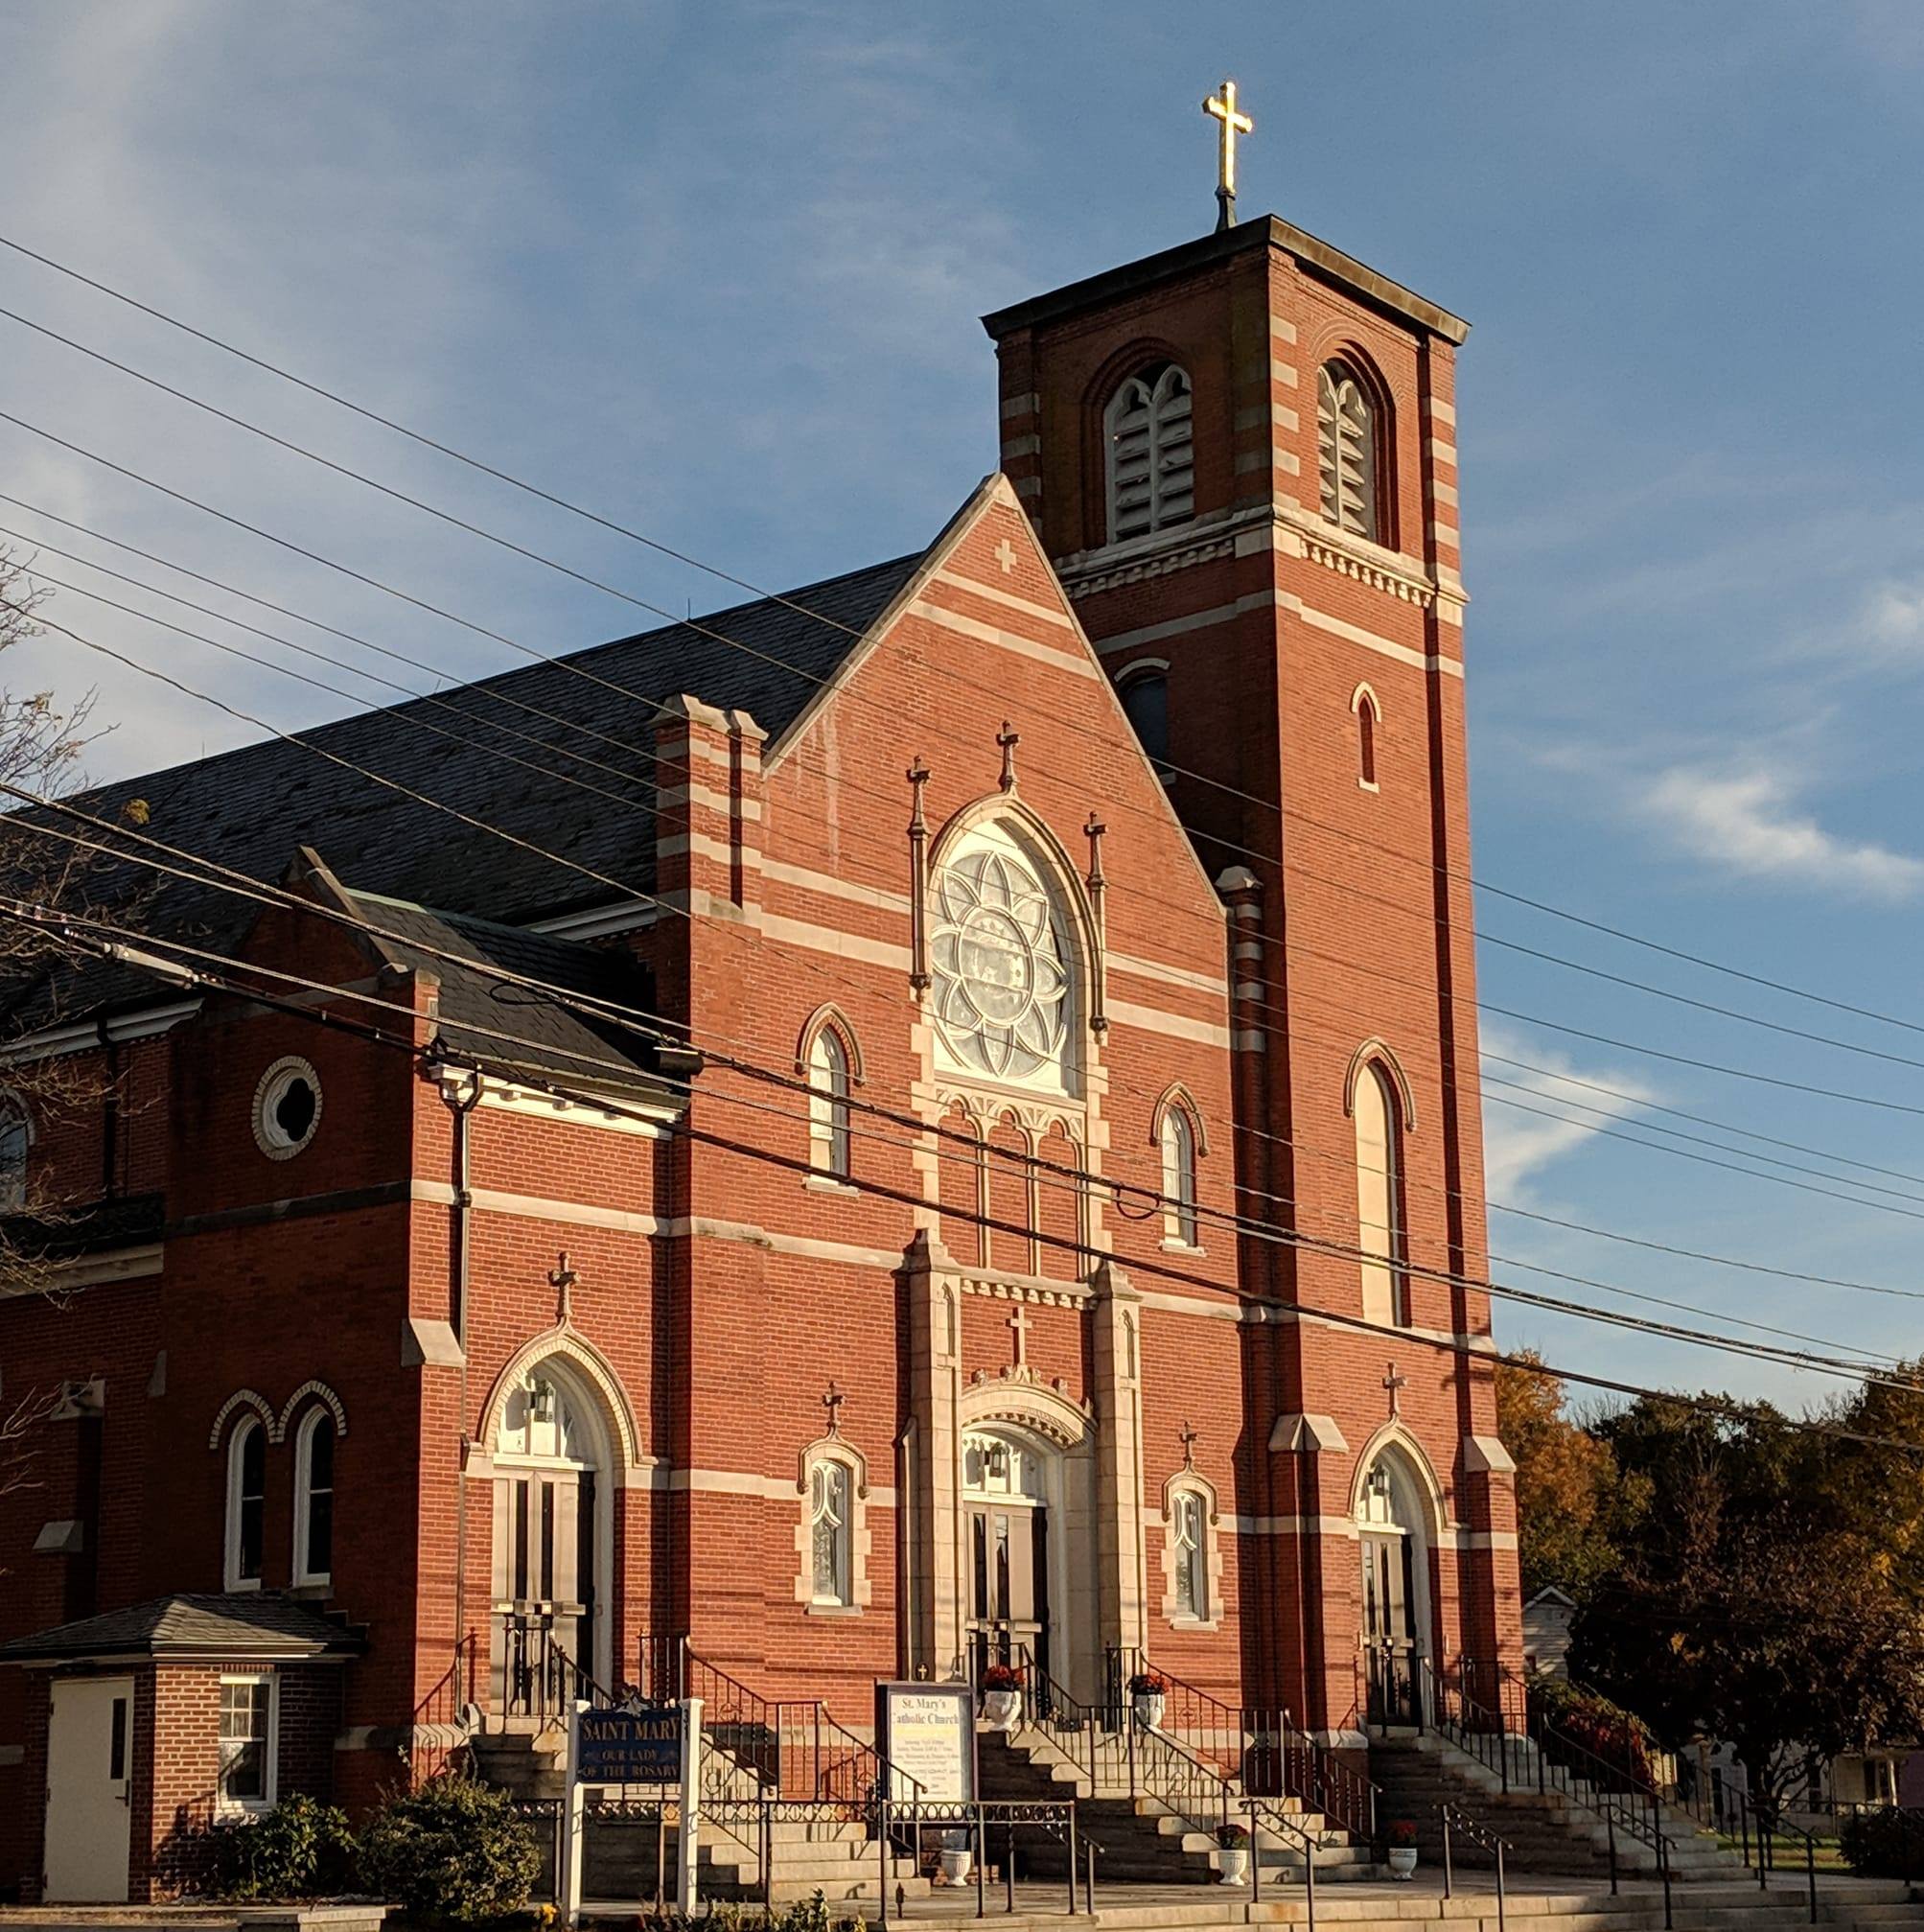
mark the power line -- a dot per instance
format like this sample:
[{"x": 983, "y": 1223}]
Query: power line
[
  {"x": 1077, "y": 1177},
  {"x": 1461, "y": 1348},
  {"x": 500, "y": 474},
  {"x": 1265, "y": 938}
]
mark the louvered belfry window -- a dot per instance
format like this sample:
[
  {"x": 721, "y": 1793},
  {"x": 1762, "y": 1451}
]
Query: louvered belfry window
[
  {"x": 1346, "y": 437},
  {"x": 1151, "y": 455}
]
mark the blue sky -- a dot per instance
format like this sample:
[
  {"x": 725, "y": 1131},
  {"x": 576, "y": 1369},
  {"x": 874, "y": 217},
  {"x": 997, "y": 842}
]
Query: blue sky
[{"x": 717, "y": 269}]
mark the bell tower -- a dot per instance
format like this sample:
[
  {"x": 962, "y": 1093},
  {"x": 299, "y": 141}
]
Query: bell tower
[{"x": 1240, "y": 455}]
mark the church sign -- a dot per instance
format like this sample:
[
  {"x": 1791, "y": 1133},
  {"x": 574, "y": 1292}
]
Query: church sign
[
  {"x": 926, "y": 1735},
  {"x": 630, "y": 1747}
]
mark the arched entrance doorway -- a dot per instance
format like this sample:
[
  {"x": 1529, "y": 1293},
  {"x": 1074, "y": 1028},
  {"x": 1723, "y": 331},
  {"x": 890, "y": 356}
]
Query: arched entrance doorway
[
  {"x": 552, "y": 1531},
  {"x": 1012, "y": 1533},
  {"x": 1392, "y": 1517}
]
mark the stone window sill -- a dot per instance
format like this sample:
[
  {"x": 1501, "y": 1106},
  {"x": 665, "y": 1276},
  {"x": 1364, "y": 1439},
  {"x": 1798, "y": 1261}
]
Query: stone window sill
[{"x": 827, "y": 1183}]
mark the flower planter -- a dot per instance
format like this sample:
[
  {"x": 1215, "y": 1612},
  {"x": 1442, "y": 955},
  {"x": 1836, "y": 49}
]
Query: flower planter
[
  {"x": 1150, "y": 1708},
  {"x": 957, "y": 1863},
  {"x": 1002, "y": 1709},
  {"x": 1233, "y": 1862},
  {"x": 1402, "y": 1861}
]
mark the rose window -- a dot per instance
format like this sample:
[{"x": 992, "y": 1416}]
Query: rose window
[{"x": 1001, "y": 993}]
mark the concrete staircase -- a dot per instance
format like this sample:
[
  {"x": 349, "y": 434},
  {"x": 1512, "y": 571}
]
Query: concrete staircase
[
  {"x": 1703, "y": 1908},
  {"x": 1144, "y": 1839},
  {"x": 1549, "y": 1829}
]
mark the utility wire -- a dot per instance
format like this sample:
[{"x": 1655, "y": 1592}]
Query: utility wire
[{"x": 500, "y": 474}]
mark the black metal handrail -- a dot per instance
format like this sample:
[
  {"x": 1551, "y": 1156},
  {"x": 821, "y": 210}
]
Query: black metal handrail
[
  {"x": 1263, "y": 1812},
  {"x": 1116, "y": 1748},
  {"x": 1264, "y": 1749},
  {"x": 1459, "y": 1822},
  {"x": 792, "y": 1748}
]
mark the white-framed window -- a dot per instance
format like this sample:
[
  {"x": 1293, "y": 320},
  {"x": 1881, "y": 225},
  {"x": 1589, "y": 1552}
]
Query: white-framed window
[
  {"x": 831, "y": 1533},
  {"x": 248, "y": 1778},
  {"x": 17, "y": 1138},
  {"x": 1364, "y": 705},
  {"x": 287, "y": 1107},
  {"x": 1151, "y": 469},
  {"x": 1380, "y": 1224},
  {"x": 1178, "y": 1147},
  {"x": 246, "y": 1502},
  {"x": 313, "y": 1498},
  {"x": 1002, "y": 991},
  {"x": 1189, "y": 1529},
  {"x": 829, "y": 1147},
  {"x": 1192, "y": 1551},
  {"x": 1346, "y": 443}
]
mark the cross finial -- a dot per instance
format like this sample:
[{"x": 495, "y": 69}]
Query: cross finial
[
  {"x": 1221, "y": 108},
  {"x": 1008, "y": 740},
  {"x": 833, "y": 1401},
  {"x": 1188, "y": 1437},
  {"x": 1395, "y": 1383},
  {"x": 562, "y": 1278}
]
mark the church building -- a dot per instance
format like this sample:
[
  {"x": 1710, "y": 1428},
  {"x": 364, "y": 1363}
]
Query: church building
[{"x": 926, "y": 1122}]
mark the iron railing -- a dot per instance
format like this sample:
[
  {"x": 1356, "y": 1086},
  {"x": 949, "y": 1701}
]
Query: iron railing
[
  {"x": 1457, "y": 1823},
  {"x": 791, "y": 1748},
  {"x": 1263, "y": 1750}
]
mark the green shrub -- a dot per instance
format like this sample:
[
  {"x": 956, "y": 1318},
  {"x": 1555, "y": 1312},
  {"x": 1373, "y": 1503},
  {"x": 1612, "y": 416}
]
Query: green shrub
[
  {"x": 1883, "y": 1844},
  {"x": 302, "y": 1848},
  {"x": 453, "y": 1850},
  {"x": 1601, "y": 1727}
]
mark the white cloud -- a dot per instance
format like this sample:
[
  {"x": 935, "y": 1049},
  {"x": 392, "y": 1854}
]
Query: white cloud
[
  {"x": 1749, "y": 821},
  {"x": 1517, "y": 1145},
  {"x": 1894, "y": 617}
]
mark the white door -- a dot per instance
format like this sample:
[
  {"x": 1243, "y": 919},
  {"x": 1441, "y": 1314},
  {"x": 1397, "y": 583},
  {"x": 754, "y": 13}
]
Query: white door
[{"x": 89, "y": 1790}]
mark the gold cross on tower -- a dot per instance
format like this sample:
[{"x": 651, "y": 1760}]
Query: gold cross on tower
[{"x": 1221, "y": 108}]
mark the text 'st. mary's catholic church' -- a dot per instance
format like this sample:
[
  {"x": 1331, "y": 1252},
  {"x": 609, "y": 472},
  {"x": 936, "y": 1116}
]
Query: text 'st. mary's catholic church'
[{"x": 1037, "y": 1222}]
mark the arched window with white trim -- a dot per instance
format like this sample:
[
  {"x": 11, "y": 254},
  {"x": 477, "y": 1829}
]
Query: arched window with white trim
[
  {"x": 832, "y": 1538},
  {"x": 1368, "y": 718},
  {"x": 1347, "y": 437},
  {"x": 830, "y": 1532},
  {"x": 1151, "y": 466},
  {"x": 1192, "y": 1557},
  {"x": 1178, "y": 1151},
  {"x": 829, "y": 1146},
  {"x": 313, "y": 1498},
  {"x": 17, "y": 1138},
  {"x": 246, "y": 1503},
  {"x": 1381, "y": 1235}
]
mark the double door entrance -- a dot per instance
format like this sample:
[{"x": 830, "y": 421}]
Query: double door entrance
[
  {"x": 1389, "y": 1628},
  {"x": 543, "y": 1588},
  {"x": 1007, "y": 1550}
]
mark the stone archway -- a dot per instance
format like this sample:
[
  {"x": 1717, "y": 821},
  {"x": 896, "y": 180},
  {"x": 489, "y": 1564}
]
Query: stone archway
[
  {"x": 1396, "y": 1506},
  {"x": 555, "y": 1465}
]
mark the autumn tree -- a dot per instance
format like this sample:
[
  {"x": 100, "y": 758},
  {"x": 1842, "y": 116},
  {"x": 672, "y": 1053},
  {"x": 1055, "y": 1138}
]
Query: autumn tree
[
  {"x": 1572, "y": 1498},
  {"x": 1762, "y": 1595}
]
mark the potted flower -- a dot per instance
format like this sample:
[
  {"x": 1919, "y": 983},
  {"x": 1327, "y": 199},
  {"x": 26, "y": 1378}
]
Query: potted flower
[
  {"x": 1232, "y": 1853},
  {"x": 1403, "y": 1849},
  {"x": 1001, "y": 1696},
  {"x": 1149, "y": 1689}
]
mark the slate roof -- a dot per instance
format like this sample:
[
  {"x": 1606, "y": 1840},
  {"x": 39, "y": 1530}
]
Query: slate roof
[
  {"x": 252, "y": 1624},
  {"x": 249, "y": 809},
  {"x": 476, "y": 1003}
]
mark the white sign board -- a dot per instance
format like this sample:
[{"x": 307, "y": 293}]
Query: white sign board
[{"x": 926, "y": 1732}]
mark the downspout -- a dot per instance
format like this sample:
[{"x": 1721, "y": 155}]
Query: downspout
[{"x": 464, "y": 1203}]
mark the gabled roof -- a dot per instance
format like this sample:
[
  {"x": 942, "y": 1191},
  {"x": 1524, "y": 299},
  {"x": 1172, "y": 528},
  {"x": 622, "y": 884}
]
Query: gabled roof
[
  {"x": 249, "y": 809},
  {"x": 245, "y": 1625},
  {"x": 475, "y": 1002}
]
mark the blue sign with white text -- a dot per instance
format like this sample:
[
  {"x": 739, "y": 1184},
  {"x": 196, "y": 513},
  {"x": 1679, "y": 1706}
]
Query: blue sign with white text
[{"x": 630, "y": 1747}]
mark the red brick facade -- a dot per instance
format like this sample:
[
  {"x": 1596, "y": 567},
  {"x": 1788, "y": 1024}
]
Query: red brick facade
[{"x": 720, "y": 1285}]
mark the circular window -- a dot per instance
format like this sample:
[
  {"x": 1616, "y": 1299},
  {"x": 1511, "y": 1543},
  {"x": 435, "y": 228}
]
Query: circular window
[{"x": 287, "y": 1107}]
